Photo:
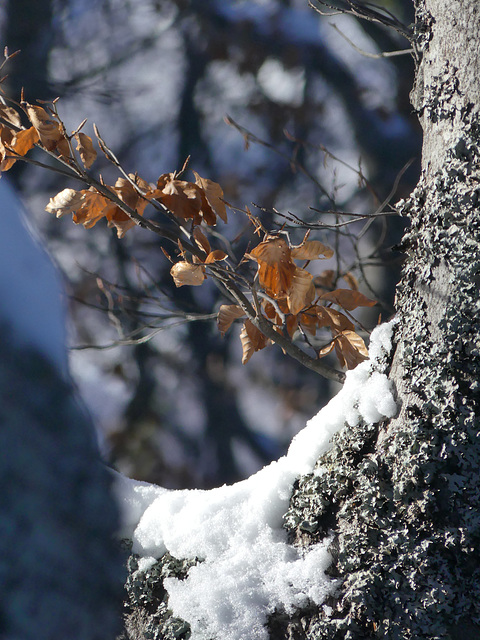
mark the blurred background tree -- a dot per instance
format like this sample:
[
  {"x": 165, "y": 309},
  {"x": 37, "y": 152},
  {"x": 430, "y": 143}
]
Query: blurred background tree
[{"x": 173, "y": 403}]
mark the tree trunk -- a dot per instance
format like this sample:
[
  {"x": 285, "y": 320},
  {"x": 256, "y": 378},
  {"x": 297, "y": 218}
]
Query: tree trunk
[
  {"x": 409, "y": 529},
  {"x": 403, "y": 497}
]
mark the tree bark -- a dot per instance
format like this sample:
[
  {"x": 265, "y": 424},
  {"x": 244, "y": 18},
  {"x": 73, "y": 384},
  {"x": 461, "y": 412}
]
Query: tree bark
[
  {"x": 403, "y": 497},
  {"x": 408, "y": 527}
]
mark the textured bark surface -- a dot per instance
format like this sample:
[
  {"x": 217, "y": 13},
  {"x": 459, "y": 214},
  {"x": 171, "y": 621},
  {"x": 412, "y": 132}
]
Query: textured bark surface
[
  {"x": 405, "y": 502},
  {"x": 403, "y": 498}
]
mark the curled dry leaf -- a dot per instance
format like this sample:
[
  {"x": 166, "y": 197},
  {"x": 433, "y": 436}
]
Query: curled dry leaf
[
  {"x": 184, "y": 199},
  {"x": 227, "y": 314},
  {"x": 216, "y": 256},
  {"x": 49, "y": 130},
  {"x": 338, "y": 322},
  {"x": 252, "y": 340},
  {"x": 300, "y": 291},
  {"x": 350, "y": 349},
  {"x": 311, "y": 250},
  {"x": 275, "y": 266},
  {"x": 348, "y": 299},
  {"x": 93, "y": 207},
  {"x": 67, "y": 201},
  {"x": 15, "y": 143},
  {"x": 326, "y": 350},
  {"x": 10, "y": 115},
  {"x": 214, "y": 194},
  {"x": 201, "y": 240},
  {"x": 85, "y": 148},
  {"x": 186, "y": 273}
]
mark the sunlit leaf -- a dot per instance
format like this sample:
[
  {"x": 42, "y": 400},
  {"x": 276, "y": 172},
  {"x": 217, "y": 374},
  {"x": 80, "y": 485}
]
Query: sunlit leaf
[
  {"x": 311, "y": 250},
  {"x": 85, "y": 148},
  {"x": 10, "y": 115},
  {"x": 326, "y": 350},
  {"x": 252, "y": 340},
  {"x": 214, "y": 194},
  {"x": 299, "y": 289},
  {"x": 185, "y": 273},
  {"x": 328, "y": 317},
  {"x": 275, "y": 266},
  {"x": 49, "y": 130},
  {"x": 201, "y": 240},
  {"x": 216, "y": 256},
  {"x": 67, "y": 201},
  {"x": 350, "y": 349},
  {"x": 348, "y": 299}
]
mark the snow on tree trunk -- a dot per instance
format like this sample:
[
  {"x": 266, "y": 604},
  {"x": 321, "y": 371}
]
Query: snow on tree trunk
[
  {"x": 405, "y": 502},
  {"x": 402, "y": 498}
]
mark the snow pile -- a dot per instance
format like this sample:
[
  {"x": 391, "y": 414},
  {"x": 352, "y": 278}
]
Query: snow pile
[{"x": 248, "y": 570}]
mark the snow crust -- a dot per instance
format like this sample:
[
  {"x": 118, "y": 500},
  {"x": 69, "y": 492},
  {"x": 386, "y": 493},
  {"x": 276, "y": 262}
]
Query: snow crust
[{"x": 247, "y": 568}]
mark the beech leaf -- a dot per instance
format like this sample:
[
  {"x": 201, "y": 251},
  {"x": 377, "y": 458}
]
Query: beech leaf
[
  {"x": 252, "y": 340},
  {"x": 350, "y": 349},
  {"x": 297, "y": 297},
  {"x": 67, "y": 201},
  {"x": 311, "y": 250},
  {"x": 348, "y": 299},
  {"x": 201, "y": 240},
  {"x": 328, "y": 317},
  {"x": 216, "y": 256},
  {"x": 227, "y": 314},
  {"x": 275, "y": 266},
  {"x": 10, "y": 115},
  {"x": 214, "y": 194},
  {"x": 85, "y": 148},
  {"x": 186, "y": 273}
]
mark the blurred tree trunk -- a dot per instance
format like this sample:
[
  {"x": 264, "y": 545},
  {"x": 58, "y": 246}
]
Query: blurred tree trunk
[{"x": 403, "y": 498}]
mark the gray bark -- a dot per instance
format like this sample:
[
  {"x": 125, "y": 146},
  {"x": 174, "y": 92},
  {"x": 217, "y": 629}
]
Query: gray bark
[{"x": 403, "y": 497}]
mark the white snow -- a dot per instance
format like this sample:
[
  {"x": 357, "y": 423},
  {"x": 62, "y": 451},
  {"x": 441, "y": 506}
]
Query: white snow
[
  {"x": 248, "y": 569},
  {"x": 31, "y": 291}
]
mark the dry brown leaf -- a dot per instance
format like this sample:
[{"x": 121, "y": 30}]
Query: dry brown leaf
[
  {"x": 85, "y": 148},
  {"x": 93, "y": 207},
  {"x": 350, "y": 349},
  {"x": 308, "y": 320},
  {"x": 326, "y": 350},
  {"x": 328, "y": 317},
  {"x": 182, "y": 198},
  {"x": 201, "y": 240},
  {"x": 10, "y": 115},
  {"x": 186, "y": 273},
  {"x": 311, "y": 250},
  {"x": 275, "y": 266},
  {"x": 216, "y": 256},
  {"x": 252, "y": 340},
  {"x": 297, "y": 296},
  {"x": 49, "y": 130},
  {"x": 24, "y": 141},
  {"x": 348, "y": 299},
  {"x": 227, "y": 314},
  {"x": 67, "y": 201},
  {"x": 214, "y": 194}
]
